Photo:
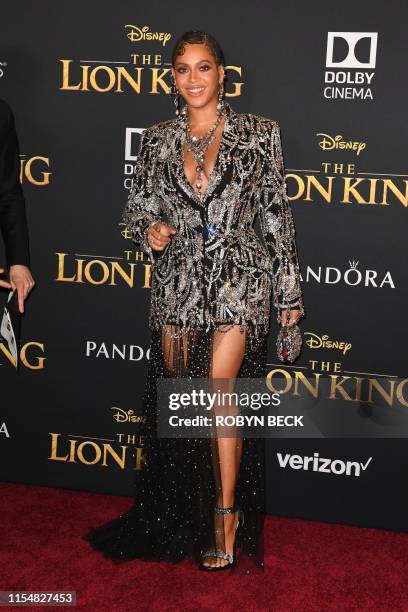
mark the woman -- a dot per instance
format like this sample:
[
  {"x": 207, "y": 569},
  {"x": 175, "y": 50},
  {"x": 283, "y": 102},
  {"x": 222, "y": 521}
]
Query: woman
[{"x": 200, "y": 181}]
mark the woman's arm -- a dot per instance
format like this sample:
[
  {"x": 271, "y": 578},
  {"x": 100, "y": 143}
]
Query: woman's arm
[
  {"x": 278, "y": 227},
  {"x": 143, "y": 207}
]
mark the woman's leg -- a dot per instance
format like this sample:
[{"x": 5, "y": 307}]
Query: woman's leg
[{"x": 228, "y": 354}]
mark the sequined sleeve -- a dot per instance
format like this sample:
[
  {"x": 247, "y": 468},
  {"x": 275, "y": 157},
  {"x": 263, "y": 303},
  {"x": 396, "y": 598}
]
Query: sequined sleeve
[
  {"x": 143, "y": 207},
  {"x": 277, "y": 224}
]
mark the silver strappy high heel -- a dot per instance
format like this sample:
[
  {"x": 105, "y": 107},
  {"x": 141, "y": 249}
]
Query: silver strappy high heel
[{"x": 221, "y": 554}]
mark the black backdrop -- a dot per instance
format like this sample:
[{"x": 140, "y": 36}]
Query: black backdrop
[{"x": 83, "y": 82}]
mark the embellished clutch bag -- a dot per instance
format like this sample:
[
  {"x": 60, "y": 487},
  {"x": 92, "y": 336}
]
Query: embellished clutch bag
[{"x": 289, "y": 343}]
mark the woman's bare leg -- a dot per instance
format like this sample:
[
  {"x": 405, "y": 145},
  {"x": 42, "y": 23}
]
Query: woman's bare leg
[{"x": 228, "y": 354}]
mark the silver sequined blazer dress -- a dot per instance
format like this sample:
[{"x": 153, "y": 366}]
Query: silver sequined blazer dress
[{"x": 218, "y": 269}]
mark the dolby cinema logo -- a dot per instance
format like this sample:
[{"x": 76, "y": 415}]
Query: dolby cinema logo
[
  {"x": 132, "y": 142},
  {"x": 350, "y": 64}
]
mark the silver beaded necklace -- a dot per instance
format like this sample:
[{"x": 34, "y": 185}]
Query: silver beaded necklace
[{"x": 198, "y": 145}]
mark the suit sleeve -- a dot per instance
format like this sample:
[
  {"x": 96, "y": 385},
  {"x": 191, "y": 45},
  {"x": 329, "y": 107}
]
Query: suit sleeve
[
  {"x": 277, "y": 225},
  {"x": 143, "y": 207},
  {"x": 13, "y": 221}
]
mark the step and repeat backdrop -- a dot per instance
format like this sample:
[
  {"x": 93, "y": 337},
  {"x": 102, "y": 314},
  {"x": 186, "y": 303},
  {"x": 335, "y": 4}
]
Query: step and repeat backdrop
[{"x": 83, "y": 83}]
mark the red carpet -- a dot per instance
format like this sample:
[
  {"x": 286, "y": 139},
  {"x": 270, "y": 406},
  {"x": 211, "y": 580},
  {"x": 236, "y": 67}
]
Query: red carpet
[{"x": 309, "y": 566}]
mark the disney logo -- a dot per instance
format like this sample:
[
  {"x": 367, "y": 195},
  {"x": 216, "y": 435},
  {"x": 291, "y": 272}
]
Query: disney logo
[
  {"x": 136, "y": 34},
  {"x": 122, "y": 416},
  {"x": 324, "y": 341},
  {"x": 328, "y": 143}
]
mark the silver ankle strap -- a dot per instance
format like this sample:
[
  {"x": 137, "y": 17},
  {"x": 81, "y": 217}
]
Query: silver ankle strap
[{"x": 229, "y": 510}]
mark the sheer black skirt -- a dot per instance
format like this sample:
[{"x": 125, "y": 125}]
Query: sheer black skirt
[{"x": 172, "y": 516}]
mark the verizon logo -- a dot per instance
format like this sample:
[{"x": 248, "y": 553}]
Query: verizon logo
[{"x": 322, "y": 464}]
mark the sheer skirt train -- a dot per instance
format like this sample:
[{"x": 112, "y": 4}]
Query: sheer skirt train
[{"x": 183, "y": 480}]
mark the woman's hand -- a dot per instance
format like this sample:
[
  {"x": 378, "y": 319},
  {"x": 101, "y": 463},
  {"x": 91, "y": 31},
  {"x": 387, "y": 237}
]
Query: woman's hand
[
  {"x": 159, "y": 235},
  {"x": 293, "y": 317}
]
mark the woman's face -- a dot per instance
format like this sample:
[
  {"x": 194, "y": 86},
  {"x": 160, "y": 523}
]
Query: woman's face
[{"x": 197, "y": 75}]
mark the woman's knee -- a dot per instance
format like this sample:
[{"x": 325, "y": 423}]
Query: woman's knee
[{"x": 228, "y": 352}]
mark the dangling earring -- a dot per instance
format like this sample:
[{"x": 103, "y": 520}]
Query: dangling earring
[
  {"x": 176, "y": 96},
  {"x": 220, "y": 103}
]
